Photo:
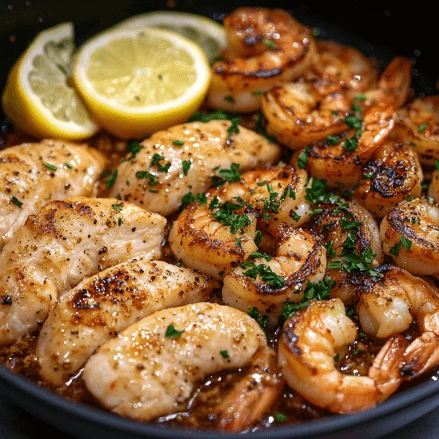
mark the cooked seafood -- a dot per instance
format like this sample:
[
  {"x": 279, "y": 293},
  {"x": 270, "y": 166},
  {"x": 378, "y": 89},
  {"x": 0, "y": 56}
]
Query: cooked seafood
[
  {"x": 310, "y": 340},
  {"x": 32, "y": 174},
  {"x": 410, "y": 235},
  {"x": 433, "y": 187},
  {"x": 391, "y": 176},
  {"x": 181, "y": 160},
  {"x": 349, "y": 233},
  {"x": 302, "y": 112},
  {"x": 388, "y": 305},
  {"x": 218, "y": 233},
  {"x": 151, "y": 368},
  {"x": 393, "y": 86},
  {"x": 62, "y": 244},
  {"x": 339, "y": 159},
  {"x": 345, "y": 65},
  {"x": 417, "y": 124},
  {"x": 265, "y": 46},
  {"x": 265, "y": 283},
  {"x": 101, "y": 306}
]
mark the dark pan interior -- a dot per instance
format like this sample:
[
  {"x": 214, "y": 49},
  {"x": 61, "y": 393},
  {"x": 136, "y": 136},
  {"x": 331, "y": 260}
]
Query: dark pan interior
[{"x": 380, "y": 31}]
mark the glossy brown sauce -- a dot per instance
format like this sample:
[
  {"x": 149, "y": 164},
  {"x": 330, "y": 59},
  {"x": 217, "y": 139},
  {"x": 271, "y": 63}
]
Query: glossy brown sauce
[{"x": 290, "y": 408}]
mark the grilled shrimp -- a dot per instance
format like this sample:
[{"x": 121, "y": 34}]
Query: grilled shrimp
[
  {"x": 219, "y": 234},
  {"x": 410, "y": 235},
  {"x": 182, "y": 159},
  {"x": 153, "y": 367},
  {"x": 101, "y": 306},
  {"x": 309, "y": 342},
  {"x": 302, "y": 112},
  {"x": 348, "y": 230},
  {"x": 417, "y": 124},
  {"x": 339, "y": 160},
  {"x": 62, "y": 244},
  {"x": 266, "y": 282},
  {"x": 31, "y": 174},
  {"x": 393, "y": 86},
  {"x": 345, "y": 65},
  {"x": 265, "y": 46},
  {"x": 392, "y": 175},
  {"x": 388, "y": 305}
]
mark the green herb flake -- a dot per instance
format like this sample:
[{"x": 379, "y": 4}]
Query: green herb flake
[
  {"x": 171, "y": 332},
  {"x": 280, "y": 417},
  {"x": 68, "y": 165},
  {"x": 422, "y": 127},
  {"x": 109, "y": 182},
  {"x": 436, "y": 164},
  {"x": 16, "y": 201},
  {"x": 224, "y": 354},
  {"x": 116, "y": 207},
  {"x": 395, "y": 249},
  {"x": 177, "y": 142},
  {"x": 337, "y": 358},
  {"x": 258, "y": 92},
  {"x": 50, "y": 166},
  {"x": 406, "y": 243},
  {"x": 269, "y": 43},
  {"x": 186, "y": 164},
  {"x": 229, "y": 98},
  {"x": 258, "y": 238},
  {"x": 119, "y": 221},
  {"x": 302, "y": 160}
]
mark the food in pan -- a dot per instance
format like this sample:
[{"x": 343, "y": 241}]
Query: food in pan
[{"x": 267, "y": 256}]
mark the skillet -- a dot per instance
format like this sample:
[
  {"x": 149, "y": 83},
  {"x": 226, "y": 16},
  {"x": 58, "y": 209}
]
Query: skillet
[{"x": 381, "y": 32}]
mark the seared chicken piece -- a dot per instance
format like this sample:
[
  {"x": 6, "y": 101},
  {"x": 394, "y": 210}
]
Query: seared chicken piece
[
  {"x": 102, "y": 305},
  {"x": 32, "y": 174},
  {"x": 62, "y": 244},
  {"x": 183, "y": 159}
]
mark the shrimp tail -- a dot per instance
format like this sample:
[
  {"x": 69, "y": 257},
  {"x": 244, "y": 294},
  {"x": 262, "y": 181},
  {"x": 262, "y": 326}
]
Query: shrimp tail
[
  {"x": 420, "y": 356},
  {"x": 252, "y": 395}
]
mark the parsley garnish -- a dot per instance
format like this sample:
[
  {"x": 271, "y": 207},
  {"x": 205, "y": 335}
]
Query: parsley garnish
[
  {"x": 116, "y": 207},
  {"x": 302, "y": 160},
  {"x": 68, "y": 165},
  {"x": 186, "y": 164},
  {"x": 230, "y": 175},
  {"x": 50, "y": 166},
  {"x": 280, "y": 417},
  {"x": 109, "y": 182},
  {"x": 224, "y": 354},
  {"x": 133, "y": 148},
  {"x": 16, "y": 201},
  {"x": 177, "y": 142},
  {"x": 265, "y": 272},
  {"x": 421, "y": 128},
  {"x": 152, "y": 179},
  {"x": 171, "y": 332},
  {"x": 270, "y": 43},
  {"x": 262, "y": 320}
]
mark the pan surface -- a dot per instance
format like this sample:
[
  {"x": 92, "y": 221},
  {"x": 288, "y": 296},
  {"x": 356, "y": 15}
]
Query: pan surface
[{"x": 381, "y": 32}]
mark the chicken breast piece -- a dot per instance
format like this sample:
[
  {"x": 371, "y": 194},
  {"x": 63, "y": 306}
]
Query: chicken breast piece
[
  {"x": 32, "y": 174},
  {"x": 101, "y": 306},
  {"x": 65, "y": 242},
  {"x": 183, "y": 158}
]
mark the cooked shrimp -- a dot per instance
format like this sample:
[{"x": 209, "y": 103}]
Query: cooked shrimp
[
  {"x": 62, "y": 244},
  {"x": 417, "y": 124},
  {"x": 392, "y": 175},
  {"x": 215, "y": 236},
  {"x": 339, "y": 160},
  {"x": 310, "y": 340},
  {"x": 345, "y": 65},
  {"x": 101, "y": 306},
  {"x": 433, "y": 187},
  {"x": 265, "y": 283},
  {"x": 302, "y": 112},
  {"x": 183, "y": 158},
  {"x": 388, "y": 304},
  {"x": 410, "y": 235},
  {"x": 394, "y": 84},
  {"x": 265, "y": 46},
  {"x": 348, "y": 230},
  {"x": 151, "y": 368},
  {"x": 31, "y": 174}
]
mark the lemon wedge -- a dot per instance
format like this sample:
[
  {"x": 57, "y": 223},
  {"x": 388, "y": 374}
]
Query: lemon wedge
[
  {"x": 206, "y": 32},
  {"x": 39, "y": 98},
  {"x": 138, "y": 81}
]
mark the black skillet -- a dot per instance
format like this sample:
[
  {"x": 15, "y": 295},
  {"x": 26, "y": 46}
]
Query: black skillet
[{"x": 380, "y": 31}]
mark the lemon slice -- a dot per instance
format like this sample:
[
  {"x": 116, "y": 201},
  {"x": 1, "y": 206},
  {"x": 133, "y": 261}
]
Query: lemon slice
[
  {"x": 39, "y": 98},
  {"x": 136, "y": 82},
  {"x": 204, "y": 31}
]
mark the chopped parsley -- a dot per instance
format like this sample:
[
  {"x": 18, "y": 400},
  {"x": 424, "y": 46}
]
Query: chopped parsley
[
  {"x": 50, "y": 166},
  {"x": 68, "y": 165},
  {"x": 116, "y": 207},
  {"x": 269, "y": 43},
  {"x": 230, "y": 175},
  {"x": 422, "y": 127},
  {"x": 171, "y": 332},
  {"x": 133, "y": 148},
  {"x": 224, "y": 354},
  {"x": 177, "y": 142},
  {"x": 152, "y": 179},
  {"x": 262, "y": 320},
  {"x": 265, "y": 272},
  {"x": 16, "y": 201},
  {"x": 109, "y": 182},
  {"x": 186, "y": 165},
  {"x": 302, "y": 160}
]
